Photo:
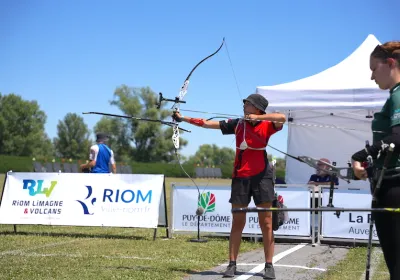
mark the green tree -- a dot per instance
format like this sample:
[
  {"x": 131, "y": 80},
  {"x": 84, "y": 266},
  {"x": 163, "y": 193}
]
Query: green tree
[
  {"x": 44, "y": 148},
  {"x": 73, "y": 138},
  {"x": 212, "y": 155},
  {"x": 22, "y": 127},
  {"x": 151, "y": 141},
  {"x": 280, "y": 162}
]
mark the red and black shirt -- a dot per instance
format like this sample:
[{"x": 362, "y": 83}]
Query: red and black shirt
[{"x": 251, "y": 142}]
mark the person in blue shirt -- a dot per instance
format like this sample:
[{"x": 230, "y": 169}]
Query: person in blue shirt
[
  {"x": 101, "y": 156},
  {"x": 321, "y": 177}
]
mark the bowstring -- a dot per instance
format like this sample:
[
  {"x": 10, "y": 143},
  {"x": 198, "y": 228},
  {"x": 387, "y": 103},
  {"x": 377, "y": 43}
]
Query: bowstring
[
  {"x": 237, "y": 87},
  {"x": 233, "y": 71}
]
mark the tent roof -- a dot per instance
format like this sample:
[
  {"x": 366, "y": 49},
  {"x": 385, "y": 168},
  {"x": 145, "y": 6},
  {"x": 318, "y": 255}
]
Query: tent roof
[{"x": 345, "y": 85}]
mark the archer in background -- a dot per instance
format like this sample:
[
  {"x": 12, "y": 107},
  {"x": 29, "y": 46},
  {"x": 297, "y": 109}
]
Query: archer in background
[
  {"x": 101, "y": 156},
  {"x": 252, "y": 174},
  {"x": 321, "y": 177}
]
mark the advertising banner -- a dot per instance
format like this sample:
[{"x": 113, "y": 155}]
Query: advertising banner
[
  {"x": 354, "y": 225},
  {"x": 82, "y": 199},
  {"x": 217, "y": 216}
]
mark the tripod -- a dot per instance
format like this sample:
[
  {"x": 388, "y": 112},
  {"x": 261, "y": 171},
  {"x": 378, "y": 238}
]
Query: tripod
[
  {"x": 199, "y": 212},
  {"x": 331, "y": 190}
]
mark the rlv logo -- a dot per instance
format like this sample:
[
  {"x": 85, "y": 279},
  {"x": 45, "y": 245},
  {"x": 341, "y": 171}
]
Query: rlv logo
[{"x": 30, "y": 185}]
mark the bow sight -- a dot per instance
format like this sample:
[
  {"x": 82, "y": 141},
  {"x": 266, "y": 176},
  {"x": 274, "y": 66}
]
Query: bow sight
[{"x": 161, "y": 99}]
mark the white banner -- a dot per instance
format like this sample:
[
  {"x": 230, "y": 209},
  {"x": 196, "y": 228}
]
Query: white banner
[
  {"x": 349, "y": 224},
  {"x": 299, "y": 223},
  {"x": 82, "y": 199},
  {"x": 218, "y": 216},
  {"x": 162, "y": 209}
]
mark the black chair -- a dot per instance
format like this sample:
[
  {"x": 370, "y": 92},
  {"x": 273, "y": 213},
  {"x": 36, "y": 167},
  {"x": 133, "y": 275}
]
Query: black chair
[
  {"x": 49, "y": 167},
  {"x": 74, "y": 168},
  {"x": 199, "y": 171},
  {"x": 119, "y": 169},
  {"x": 67, "y": 167},
  {"x": 128, "y": 169},
  {"x": 37, "y": 167},
  {"x": 208, "y": 172},
  {"x": 217, "y": 172},
  {"x": 57, "y": 167}
]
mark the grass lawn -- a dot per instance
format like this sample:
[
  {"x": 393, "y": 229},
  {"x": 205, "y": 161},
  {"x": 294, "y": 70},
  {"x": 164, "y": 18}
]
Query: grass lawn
[
  {"x": 66, "y": 252},
  {"x": 353, "y": 267}
]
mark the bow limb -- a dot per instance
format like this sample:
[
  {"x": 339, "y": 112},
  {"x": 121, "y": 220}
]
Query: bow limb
[
  {"x": 134, "y": 118},
  {"x": 185, "y": 85},
  {"x": 182, "y": 93},
  {"x": 175, "y": 127}
]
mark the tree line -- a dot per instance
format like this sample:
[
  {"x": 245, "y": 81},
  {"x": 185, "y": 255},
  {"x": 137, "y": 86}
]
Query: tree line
[{"x": 22, "y": 132}]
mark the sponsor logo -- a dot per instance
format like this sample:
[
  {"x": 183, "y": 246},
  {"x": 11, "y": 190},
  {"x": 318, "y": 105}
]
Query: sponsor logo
[
  {"x": 207, "y": 202},
  {"x": 88, "y": 200},
  {"x": 116, "y": 200},
  {"x": 36, "y": 187}
]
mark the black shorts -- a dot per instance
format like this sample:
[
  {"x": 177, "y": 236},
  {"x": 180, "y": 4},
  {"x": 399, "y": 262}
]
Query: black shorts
[{"x": 261, "y": 188}]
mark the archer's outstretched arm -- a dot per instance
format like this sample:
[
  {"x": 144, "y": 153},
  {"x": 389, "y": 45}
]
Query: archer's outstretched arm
[
  {"x": 195, "y": 121},
  {"x": 278, "y": 118}
]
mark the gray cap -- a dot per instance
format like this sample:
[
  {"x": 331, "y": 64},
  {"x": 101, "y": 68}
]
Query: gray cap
[
  {"x": 101, "y": 136},
  {"x": 258, "y": 101}
]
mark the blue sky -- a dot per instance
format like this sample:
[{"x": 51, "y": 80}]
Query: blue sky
[{"x": 70, "y": 56}]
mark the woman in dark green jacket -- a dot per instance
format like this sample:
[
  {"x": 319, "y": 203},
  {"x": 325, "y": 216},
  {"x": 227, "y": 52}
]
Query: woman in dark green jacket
[{"x": 385, "y": 67}]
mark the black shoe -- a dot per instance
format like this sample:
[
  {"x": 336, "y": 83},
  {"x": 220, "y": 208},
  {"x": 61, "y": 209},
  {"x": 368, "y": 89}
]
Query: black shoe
[
  {"x": 230, "y": 271},
  {"x": 269, "y": 271}
]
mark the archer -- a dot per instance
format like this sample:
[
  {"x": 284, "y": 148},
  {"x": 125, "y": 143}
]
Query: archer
[{"x": 252, "y": 175}]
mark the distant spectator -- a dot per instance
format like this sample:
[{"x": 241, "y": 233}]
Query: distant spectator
[
  {"x": 321, "y": 177},
  {"x": 277, "y": 180},
  {"x": 280, "y": 181},
  {"x": 101, "y": 156}
]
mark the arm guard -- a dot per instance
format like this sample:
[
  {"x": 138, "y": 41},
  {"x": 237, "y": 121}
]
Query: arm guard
[{"x": 197, "y": 122}]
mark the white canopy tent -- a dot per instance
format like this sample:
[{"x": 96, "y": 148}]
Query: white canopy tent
[{"x": 333, "y": 111}]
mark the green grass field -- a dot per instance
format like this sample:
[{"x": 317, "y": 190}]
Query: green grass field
[
  {"x": 353, "y": 267},
  {"x": 65, "y": 252}
]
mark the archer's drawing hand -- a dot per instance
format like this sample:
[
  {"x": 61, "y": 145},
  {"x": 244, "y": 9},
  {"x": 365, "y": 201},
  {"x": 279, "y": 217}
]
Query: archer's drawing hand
[
  {"x": 250, "y": 117},
  {"x": 359, "y": 171},
  {"x": 177, "y": 116}
]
